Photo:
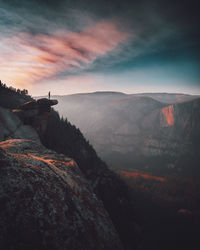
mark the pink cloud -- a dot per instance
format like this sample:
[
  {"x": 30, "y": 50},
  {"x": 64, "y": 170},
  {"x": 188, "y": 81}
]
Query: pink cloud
[{"x": 30, "y": 58}]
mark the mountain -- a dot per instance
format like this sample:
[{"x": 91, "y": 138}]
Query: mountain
[
  {"x": 170, "y": 98},
  {"x": 138, "y": 131}
]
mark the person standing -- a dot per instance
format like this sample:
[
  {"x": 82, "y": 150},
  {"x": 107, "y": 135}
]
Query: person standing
[{"x": 49, "y": 95}]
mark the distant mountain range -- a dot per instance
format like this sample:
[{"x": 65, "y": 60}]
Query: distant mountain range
[
  {"x": 152, "y": 130},
  {"x": 170, "y": 98}
]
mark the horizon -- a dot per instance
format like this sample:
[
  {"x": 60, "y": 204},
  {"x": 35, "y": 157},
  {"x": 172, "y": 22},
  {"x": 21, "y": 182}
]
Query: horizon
[
  {"x": 118, "y": 92},
  {"x": 107, "y": 91}
]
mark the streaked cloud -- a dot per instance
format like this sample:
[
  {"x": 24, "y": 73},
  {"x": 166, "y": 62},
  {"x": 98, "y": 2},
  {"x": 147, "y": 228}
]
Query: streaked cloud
[
  {"x": 120, "y": 45},
  {"x": 29, "y": 58}
]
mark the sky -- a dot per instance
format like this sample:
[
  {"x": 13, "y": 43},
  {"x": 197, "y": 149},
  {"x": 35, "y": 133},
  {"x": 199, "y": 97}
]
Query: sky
[{"x": 74, "y": 46}]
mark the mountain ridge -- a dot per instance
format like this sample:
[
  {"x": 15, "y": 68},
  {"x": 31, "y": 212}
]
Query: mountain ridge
[{"x": 148, "y": 94}]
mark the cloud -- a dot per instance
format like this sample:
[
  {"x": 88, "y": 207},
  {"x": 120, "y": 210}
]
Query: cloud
[
  {"x": 58, "y": 41},
  {"x": 30, "y": 58}
]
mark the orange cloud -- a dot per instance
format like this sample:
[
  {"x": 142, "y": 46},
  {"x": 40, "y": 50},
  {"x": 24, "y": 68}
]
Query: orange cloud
[{"x": 30, "y": 58}]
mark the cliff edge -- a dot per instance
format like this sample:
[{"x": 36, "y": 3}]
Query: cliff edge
[{"x": 46, "y": 203}]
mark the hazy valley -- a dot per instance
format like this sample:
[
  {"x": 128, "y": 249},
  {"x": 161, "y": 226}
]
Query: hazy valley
[{"x": 138, "y": 131}]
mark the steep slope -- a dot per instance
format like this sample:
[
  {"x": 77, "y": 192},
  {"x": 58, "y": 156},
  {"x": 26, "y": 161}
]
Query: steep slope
[
  {"x": 11, "y": 98},
  {"x": 46, "y": 203},
  {"x": 64, "y": 138}
]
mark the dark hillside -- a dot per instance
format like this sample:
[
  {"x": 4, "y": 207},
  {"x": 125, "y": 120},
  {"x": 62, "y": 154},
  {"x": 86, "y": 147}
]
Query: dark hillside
[
  {"x": 10, "y": 97},
  {"x": 65, "y": 138}
]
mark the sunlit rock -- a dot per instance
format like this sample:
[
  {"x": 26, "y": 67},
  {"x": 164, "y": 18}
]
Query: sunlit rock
[{"x": 169, "y": 115}]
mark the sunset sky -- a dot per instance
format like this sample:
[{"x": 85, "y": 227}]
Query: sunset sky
[{"x": 84, "y": 46}]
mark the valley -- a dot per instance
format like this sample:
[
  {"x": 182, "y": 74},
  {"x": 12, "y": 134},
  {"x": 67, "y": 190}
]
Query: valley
[{"x": 138, "y": 131}]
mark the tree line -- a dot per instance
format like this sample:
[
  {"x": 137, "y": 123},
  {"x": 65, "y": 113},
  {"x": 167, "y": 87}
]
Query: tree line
[{"x": 19, "y": 91}]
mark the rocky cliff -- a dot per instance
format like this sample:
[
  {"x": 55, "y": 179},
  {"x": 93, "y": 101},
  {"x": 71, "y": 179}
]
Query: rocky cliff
[
  {"x": 46, "y": 203},
  {"x": 35, "y": 113},
  {"x": 34, "y": 122},
  {"x": 12, "y": 127},
  {"x": 28, "y": 121}
]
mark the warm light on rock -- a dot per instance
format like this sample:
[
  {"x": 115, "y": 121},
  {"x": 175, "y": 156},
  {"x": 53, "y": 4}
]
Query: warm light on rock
[{"x": 169, "y": 116}]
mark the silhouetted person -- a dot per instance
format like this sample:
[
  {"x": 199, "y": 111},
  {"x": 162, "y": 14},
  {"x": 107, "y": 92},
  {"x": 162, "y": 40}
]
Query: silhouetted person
[{"x": 49, "y": 94}]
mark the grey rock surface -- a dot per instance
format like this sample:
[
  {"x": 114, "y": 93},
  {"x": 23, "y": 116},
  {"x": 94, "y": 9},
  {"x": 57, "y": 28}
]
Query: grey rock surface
[
  {"x": 46, "y": 203},
  {"x": 35, "y": 113},
  {"x": 12, "y": 127}
]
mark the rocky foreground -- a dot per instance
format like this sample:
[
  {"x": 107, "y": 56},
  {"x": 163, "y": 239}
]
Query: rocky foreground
[
  {"x": 45, "y": 200},
  {"x": 27, "y": 121},
  {"x": 46, "y": 203}
]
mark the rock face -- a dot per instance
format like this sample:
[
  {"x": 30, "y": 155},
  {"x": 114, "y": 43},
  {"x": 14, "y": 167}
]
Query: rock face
[
  {"x": 36, "y": 113},
  {"x": 26, "y": 122},
  {"x": 109, "y": 189},
  {"x": 46, "y": 203},
  {"x": 12, "y": 127}
]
